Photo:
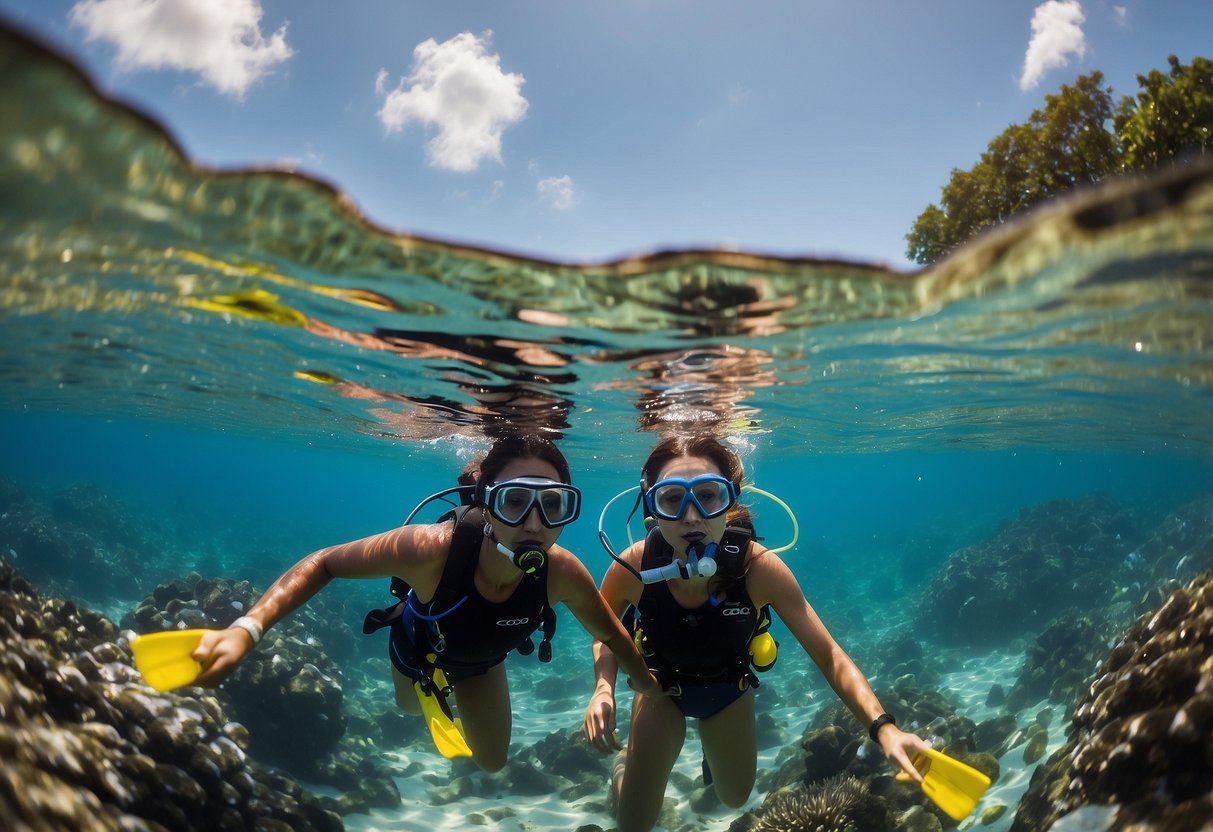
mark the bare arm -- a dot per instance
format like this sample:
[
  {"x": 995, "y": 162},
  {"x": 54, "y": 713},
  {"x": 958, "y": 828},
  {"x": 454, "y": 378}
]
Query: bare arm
[
  {"x": 770, "y": 581},
  {"x": 619, "y": 589},
  {"x": 408, "y": 552},
  {"x": 570, "y": 582}
]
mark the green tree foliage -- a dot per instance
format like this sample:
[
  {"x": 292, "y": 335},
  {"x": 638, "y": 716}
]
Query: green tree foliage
[
  {"x": 1078, "y": 138},
  {"x": 1064, "y": 145},
  {"x": 1171, "y": 117}
]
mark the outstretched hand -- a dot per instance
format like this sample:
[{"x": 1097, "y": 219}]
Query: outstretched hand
[
  {"x": 600, "y": 728},
  {"x": 900, "y": 748},
  {"x": 219, "y": 652}
]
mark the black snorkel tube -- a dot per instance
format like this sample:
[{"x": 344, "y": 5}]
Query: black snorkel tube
[{"x": 700, "y": 562}]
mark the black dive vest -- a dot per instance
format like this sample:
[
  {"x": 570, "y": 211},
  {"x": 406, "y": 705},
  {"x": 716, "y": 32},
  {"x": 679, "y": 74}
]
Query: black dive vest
[
  {"x": 703, "y": 645},
  {"x": 458, "y": 625}
]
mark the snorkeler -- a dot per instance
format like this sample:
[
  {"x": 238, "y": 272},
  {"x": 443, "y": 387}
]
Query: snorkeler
[
  {"x": 700, "y": 590},
  {"x": 480, "y": 583}
]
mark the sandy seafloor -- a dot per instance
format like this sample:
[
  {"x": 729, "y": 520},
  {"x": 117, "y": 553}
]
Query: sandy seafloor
[{"x": 969, "y": 686}]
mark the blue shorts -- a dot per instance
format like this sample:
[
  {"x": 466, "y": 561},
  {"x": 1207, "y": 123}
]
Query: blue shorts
[{"x": 703, "y": 701}]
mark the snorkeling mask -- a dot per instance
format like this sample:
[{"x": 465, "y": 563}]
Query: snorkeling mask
[
  {"x": 511, "y": 501},
  {"x": 708, "y": 493},
  {"x": 711, "y": 494}
]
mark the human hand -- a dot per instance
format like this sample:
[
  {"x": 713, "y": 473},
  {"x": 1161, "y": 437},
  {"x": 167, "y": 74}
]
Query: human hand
[
  {"x": 600, "y": 728},
  {"x": 648, "y": 686},
  {"x": 900, "y": 749},
  {"x": 219, "y": 652}
]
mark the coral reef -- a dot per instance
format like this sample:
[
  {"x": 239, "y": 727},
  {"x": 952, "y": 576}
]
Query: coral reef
[
  {"x": 1140, "y": 736},
  {"x": 1179, "y": 549},
  {"x": 836, "y": 745},
  {"x": 63, "y": 552},
  {"x": 289, "y": 681},
  {"x": 838, "y": 804},
  {"x": 88, "y": 746},
  {"x": 1054, "y": 557},
  {"x": 1060, "y": 663}
]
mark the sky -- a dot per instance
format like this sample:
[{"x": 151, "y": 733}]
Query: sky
[{"x": 586, "y": 132}]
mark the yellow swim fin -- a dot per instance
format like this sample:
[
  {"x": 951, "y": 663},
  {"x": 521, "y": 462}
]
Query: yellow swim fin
[
  {"x": 953, "y": 786},
  {"x": 163, "y": 659},
  {"x": 446, "y": 732}
]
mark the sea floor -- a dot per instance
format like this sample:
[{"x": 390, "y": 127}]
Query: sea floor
[{"x": 509, "y": 812}]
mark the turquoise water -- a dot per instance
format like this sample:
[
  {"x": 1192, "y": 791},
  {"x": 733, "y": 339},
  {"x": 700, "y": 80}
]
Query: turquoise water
[{"x": 250, "y": 367}]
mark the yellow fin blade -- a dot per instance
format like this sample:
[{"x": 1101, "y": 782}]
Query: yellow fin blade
[
  {"x": 446, "y": 733},
  {"x": 163, "y": 659},
  {"x": 952, "y": 785}
]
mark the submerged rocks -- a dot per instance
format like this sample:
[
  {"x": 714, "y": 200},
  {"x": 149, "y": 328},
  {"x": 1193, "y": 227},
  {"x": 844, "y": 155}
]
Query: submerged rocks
[
  {"x": 287, "y": 683},
  {"x": 1140, "y": 736},
  {"x": 1057, "y": 556},
  {"x": 1059, "y": 663},
  {"x": 87, "y": 746},
  {"x": 62, "y": 557}
]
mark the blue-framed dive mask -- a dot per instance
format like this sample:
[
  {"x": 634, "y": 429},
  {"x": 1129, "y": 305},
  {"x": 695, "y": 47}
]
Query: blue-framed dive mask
[
  {"x": 512, "y": 500},
  {"x": 711, "y": 494}
]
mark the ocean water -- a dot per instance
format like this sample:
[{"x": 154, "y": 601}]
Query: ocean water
[{"x": 246, "y": 364}]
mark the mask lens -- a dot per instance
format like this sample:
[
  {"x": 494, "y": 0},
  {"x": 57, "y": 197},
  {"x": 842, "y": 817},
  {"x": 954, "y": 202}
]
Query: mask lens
[
  {"x": 511, "y": 502},
  {"x": 712, "y": 496},
  {"x": 669, "y": 501}
]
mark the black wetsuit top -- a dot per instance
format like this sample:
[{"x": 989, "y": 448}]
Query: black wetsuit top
[
  {"x": 694, "y": 646},
  {"x": 474, "y": 633}
]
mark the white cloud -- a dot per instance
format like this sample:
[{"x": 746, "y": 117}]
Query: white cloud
[
  {"x": 458, "y": 87},
  {"x": 1056, "y": 35},
  {"x": 220, "y": 40},
  {"x": 1121, "y": 15},
  {"x": 558, "y": 191}
]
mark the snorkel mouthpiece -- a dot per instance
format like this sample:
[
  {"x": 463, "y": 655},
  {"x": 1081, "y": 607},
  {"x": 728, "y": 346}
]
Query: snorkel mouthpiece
[
  {"x": 529, "y": 559},
  {"x": 703, "y": 565},
  {"x": 695, "y": 566}
]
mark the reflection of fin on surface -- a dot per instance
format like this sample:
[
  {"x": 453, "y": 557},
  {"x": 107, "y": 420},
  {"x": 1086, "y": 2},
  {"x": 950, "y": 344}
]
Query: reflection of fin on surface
[
  {"x": 953, "y": 786},
  {"x": 446, "y": 732},
  {"x": 164, "y": 660}
]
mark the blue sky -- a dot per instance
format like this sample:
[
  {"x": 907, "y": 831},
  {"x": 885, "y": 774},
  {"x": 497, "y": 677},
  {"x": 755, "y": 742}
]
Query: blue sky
[{"x": 589, "y": 131}]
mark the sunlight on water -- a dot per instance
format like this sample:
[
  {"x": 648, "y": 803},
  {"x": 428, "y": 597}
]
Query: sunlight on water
[
  {"x": 131, "y": 278},
  {"x": 208, "y": 374}
]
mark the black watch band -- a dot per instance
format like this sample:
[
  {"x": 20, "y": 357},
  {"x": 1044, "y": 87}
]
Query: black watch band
[{"x": 878, "y": 723}]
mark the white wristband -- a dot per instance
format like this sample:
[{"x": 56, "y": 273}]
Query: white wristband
[{"x": 249, "y": 626}]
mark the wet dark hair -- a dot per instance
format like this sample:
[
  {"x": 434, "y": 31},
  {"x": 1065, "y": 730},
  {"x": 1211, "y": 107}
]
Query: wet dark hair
[
  {"x": 711, "y": 448},
  {"x": 508, "y": 449}
]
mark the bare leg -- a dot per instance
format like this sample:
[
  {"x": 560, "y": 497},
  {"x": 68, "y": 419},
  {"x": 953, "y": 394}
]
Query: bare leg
[
  {"x": 654, "y": 741},
  {"x": 484, "y": 710},
  {"x": 406, "y": 697},
  {"x": 731, "y": 749}
]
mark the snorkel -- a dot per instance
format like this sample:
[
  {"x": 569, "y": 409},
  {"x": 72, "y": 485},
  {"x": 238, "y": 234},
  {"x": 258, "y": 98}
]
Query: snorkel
[
  {"x": 701, "y": 560},
  {"x": 528, "y": 557}
]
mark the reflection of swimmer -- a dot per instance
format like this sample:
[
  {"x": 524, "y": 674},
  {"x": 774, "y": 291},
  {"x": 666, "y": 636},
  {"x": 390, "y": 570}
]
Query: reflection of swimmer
[
  {"x": 697, "y": 626},
  {"x": 476, "y": 585}
]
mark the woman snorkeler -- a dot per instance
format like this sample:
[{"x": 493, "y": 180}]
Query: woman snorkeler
[
  {"x": 696, "y": 629},
  {"x": 481, "y": 583}
]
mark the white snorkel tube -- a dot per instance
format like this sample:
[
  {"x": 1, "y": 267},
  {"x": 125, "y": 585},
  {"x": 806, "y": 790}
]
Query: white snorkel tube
[{"x": 696, "y": 565}]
